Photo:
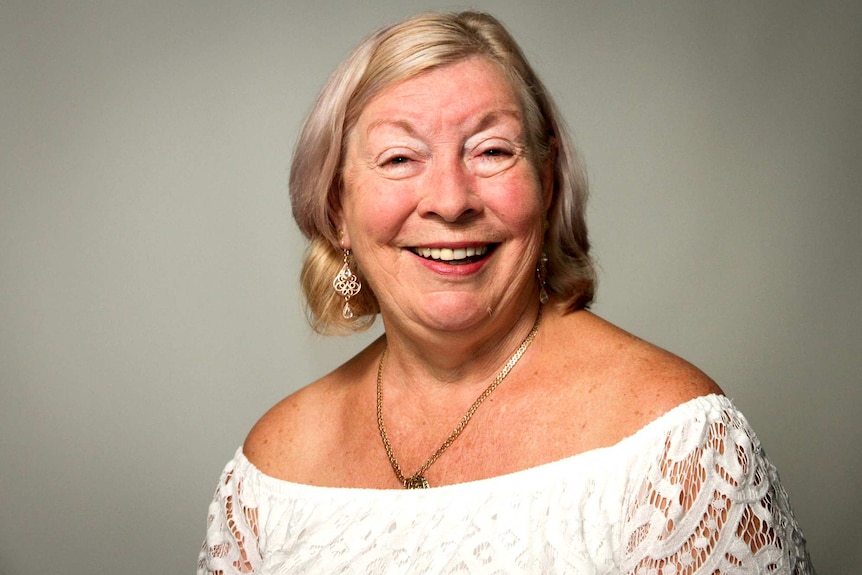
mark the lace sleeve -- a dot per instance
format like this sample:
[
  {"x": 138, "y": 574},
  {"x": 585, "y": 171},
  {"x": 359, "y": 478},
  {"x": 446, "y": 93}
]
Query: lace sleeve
[
  {"x": 712, "y": 504},
  {"x": 231, "y": 545}
]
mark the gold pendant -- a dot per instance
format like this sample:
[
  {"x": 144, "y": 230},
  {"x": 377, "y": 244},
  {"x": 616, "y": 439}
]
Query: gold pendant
[{"x": 417, "y": 482}]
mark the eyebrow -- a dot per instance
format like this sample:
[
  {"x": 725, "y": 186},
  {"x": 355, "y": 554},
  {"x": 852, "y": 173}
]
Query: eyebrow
[
  {"x": 403, "y": 124},
  {"x": 494, "y": 116},
  {"x": 487, "y": 120}
]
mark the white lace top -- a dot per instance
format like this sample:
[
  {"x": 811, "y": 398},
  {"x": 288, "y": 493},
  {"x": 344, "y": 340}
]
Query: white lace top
[{"x": 691, "y": 492}]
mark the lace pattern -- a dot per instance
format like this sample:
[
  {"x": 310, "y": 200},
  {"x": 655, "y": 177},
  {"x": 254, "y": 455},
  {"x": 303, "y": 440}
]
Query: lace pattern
[
  {"x": 690, "y": 493},
  {"x": 232, "y": 529},
  {"x": 713, "y": 503}
]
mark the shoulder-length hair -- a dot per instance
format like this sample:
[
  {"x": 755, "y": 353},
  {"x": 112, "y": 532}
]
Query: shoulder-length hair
[{"x": 394, "y": 54}]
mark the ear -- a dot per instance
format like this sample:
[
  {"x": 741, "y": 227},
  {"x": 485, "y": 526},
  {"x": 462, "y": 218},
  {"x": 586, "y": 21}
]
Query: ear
[
  {"x": 546, "y": 176},
  {"x": 344, "y": 237},
  {"x": 341, "y": 231},
  {"x": 339, "y": 222}
]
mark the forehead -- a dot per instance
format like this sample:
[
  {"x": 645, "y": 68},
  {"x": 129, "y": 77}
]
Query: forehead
[{"x": 453, "y": 93}]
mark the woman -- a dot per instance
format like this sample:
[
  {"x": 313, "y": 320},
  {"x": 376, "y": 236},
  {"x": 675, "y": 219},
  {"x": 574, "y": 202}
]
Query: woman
[{"x": 438, "y": 189}]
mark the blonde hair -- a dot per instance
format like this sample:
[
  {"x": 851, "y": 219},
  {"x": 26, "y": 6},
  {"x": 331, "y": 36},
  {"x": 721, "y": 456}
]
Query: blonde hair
[{"x": 394, "y": 54}]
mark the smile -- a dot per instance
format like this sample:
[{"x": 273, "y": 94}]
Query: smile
[{"x": 453, "y": 255}]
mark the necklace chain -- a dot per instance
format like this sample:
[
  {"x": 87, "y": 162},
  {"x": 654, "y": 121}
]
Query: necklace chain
[{"x": 417, "y": 480}]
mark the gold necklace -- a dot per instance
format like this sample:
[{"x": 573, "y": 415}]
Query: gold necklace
[{"x": 417, "y": 481}]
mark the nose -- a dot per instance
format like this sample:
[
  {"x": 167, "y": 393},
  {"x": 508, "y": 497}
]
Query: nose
[{"x": 450, "y": 193}]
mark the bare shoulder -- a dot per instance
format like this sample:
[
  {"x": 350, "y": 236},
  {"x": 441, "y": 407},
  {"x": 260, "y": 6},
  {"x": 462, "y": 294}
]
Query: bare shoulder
[
  {"x": 278, "y": 434},
  {"x": 298, "y": 434},
  {"x": 632, "y": 379}
]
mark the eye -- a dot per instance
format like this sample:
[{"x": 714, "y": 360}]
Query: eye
[
  {"x": 493, "y": 156},
  {"x": 394, "y": 160},
  {"x": 398, "y": 164},
  {"x": 495, "y": 153}
]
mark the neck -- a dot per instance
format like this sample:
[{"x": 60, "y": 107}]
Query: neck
[{"x": 469, "y": 358}]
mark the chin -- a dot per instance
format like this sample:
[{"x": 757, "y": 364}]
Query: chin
[{"x": 455, "y": 313}]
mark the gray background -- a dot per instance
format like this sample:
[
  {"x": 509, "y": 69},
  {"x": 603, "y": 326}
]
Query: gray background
[{"x": 149, "y": 309}]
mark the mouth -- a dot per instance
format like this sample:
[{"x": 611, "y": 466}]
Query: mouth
[{"x": 455, "y": 256}]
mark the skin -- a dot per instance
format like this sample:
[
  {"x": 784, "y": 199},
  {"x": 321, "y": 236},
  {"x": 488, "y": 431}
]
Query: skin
[
  {"x": 440, "y": 161},
  {"x": 432, "y": 165}
]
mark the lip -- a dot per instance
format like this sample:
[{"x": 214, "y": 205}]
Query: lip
[
  {"x": 452, "y": 253},
  {"x": 473, "y": 257}
]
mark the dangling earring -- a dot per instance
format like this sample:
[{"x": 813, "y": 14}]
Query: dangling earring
[
  {"x": 347, "y": 284},
  {"x": 541, "y": 274}
]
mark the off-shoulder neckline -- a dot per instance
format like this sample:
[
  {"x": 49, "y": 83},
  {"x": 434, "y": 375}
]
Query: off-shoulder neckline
[{"x": 660, "y": 425}]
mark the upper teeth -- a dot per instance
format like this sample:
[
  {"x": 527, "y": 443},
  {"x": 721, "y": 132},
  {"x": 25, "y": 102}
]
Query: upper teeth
[{"x": 448, "y": 254}]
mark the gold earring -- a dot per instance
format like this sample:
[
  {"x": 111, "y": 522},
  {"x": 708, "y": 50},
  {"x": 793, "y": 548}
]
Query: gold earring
[{"x": 347, "y": 284}]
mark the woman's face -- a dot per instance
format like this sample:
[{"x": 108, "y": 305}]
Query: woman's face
[{"x": 443, "y": 206}]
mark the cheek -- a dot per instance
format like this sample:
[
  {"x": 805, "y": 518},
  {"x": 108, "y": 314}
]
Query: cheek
[
  {"x": 377, "y": 211},
  {"x": 520, "y": 204}
]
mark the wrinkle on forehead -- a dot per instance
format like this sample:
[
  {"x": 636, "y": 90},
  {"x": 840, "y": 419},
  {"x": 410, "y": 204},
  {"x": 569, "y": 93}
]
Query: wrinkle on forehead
[
  {"x": 440, "y": 87},
  {"x": 485, "y": 121}
]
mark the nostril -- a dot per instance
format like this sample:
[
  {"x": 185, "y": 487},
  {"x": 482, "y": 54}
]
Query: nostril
[
  {"x": 451, "y": 208},
  {"x": 450, "y": 194}
]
